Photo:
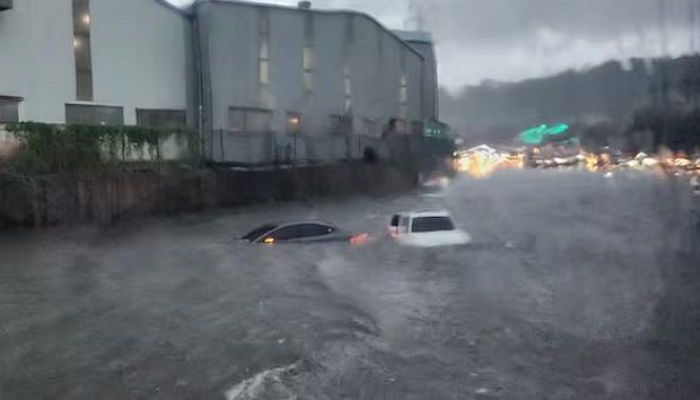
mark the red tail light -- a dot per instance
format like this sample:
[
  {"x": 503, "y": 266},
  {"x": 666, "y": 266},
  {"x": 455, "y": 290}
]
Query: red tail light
[{"x": 359, "y": 239}]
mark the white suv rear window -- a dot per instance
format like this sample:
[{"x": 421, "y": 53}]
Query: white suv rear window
[{"x": 432, "y": 224}]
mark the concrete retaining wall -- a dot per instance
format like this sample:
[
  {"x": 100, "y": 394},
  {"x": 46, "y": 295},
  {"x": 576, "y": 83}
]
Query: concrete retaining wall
[{"x": 55, "y": 200}]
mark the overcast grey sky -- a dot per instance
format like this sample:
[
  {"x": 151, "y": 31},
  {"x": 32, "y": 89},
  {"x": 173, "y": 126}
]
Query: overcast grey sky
[{"x": 510, "y": 40}]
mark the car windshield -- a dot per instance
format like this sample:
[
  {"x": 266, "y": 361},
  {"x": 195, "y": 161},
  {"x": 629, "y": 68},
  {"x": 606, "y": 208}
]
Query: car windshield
[
  {"x": 257, "y": 232},
  {"x": 432, "y": 224}
]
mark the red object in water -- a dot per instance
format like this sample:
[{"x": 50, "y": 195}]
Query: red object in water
[{"x": 359, "y": 239}]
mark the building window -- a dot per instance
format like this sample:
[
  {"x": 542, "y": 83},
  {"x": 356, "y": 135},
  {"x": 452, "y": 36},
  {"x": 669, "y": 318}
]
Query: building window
[
  {"x": 308, "y": 64},
  {"x": 308, "y": 59},
  {"x": 293, "y": 123},
  {"x": 347, "y": 73},
  {"x": 9, "y": 109},
  {"x": 81, "y": 49},
  {"x": 403, "y": 97},
  {"x": 167, "y": 119},
  {"x": 264, "y": 46},
  {"x": 249, "y": 120},
  {"x": 341, "y": 125},
  {"x": 264, "y": 62},
  {"x": 308, "y": 56},
  {"x": 86, "y": 114},
  {"x": 349, "y": 38}
]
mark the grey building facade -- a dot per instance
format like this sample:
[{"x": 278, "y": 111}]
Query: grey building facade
[
  {"x": 94, "y": 61},
  {"x": 423, "y": 43},
  {"x": 256, "y": 80}
]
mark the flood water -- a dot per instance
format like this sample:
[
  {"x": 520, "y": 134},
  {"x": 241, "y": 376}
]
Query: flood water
[{"x": 577, "y": 287}]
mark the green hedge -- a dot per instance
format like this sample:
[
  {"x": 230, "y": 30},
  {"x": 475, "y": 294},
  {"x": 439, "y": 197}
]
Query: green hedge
[{"x": 49, "y": 148}]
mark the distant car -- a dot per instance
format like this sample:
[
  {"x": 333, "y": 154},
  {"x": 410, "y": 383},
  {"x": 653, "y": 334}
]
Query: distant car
[
  {"x": 427, "y": 229},
  {"x": 302, "y": 232}
]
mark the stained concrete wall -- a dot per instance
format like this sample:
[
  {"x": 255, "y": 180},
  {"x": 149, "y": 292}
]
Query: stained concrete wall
[{"x": 56, "y": 200}]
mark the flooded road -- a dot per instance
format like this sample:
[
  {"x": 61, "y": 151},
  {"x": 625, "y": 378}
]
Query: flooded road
[{"x": 577, "y": 286}]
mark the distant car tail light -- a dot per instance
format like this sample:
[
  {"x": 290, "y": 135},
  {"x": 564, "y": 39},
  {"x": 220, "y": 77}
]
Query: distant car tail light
[
  {"x": 269, "y": 240},
  {"x": 359, "y": 239}
]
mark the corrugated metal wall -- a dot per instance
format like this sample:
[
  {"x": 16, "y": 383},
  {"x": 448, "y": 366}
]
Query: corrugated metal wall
[{"x": 140, "y": 56}]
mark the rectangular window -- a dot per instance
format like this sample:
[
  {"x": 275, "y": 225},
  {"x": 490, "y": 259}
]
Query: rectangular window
[
  {"x": 308, "y": 82},
  {"x": 308, "y": 61},
  {"x": 308, "y": 64},
  {"x": 81, "y": 49},
  {"x": 264, "y": 62},
  {"x": 85, "y": 114},
  {"x": 264, "y": 72},
  {"x": 161, "y": 118},
  {"x": 9, "y": 109},
  {"x": 264, "y": 47},
  {"x": 403, "y": 91},
  {"x": 308, "y": 57},
  {"x": 251, "y": 120},
  {"x": 432, "y": 224},
  {"x": 347, "y": 73},
  {"x": 293, "y": 123},
  {"x": 403, "y": 97}
]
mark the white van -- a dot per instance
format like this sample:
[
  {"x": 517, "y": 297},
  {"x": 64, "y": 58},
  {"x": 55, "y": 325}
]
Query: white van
[{"x": 427, "y": 229}]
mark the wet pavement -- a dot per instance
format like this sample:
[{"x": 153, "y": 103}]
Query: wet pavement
[{"x": 578, "y": 287}]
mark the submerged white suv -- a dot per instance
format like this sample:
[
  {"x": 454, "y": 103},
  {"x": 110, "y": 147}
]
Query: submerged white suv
[{"x": 427, "y": 229}]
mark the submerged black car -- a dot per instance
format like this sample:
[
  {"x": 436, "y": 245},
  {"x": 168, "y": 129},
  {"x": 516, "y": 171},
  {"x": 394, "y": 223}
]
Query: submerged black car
[{"x": 301, "y": 232}]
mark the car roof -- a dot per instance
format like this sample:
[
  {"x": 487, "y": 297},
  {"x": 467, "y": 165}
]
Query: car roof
[
  {"x": 423, "y": 214},
  {"x": 314, "y": 222}
]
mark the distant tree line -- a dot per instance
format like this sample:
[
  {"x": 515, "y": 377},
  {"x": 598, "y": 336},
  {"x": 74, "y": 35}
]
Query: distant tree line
[{"x": 613, "y": 103}]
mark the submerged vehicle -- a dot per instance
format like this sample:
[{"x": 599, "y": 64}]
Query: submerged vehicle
[
  {"x": 302, "y": 232},
  {"x": 427, "y": 229}
]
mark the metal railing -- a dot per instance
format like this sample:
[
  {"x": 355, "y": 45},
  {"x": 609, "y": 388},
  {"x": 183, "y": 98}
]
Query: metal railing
[{"x": 267, "y": 148}]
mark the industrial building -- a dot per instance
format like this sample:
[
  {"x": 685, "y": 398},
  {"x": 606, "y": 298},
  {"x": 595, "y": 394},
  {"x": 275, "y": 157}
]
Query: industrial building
[{"x": 258, "y": 81}]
